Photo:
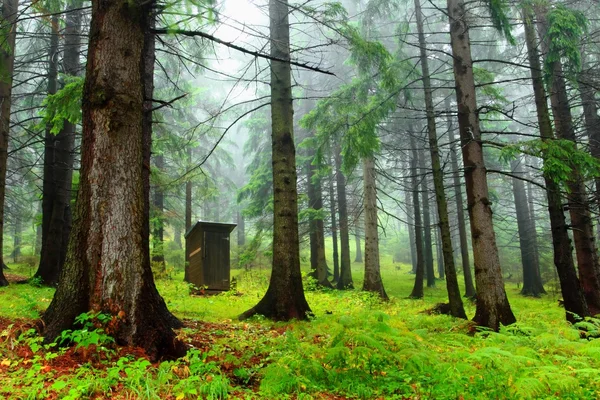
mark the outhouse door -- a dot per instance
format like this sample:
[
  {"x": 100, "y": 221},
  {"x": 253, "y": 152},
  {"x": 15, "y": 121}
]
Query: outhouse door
[{"x": 216, "y": 270}]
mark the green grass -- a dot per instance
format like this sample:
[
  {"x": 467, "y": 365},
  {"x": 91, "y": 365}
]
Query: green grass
[{"x": 354, "y": 347}]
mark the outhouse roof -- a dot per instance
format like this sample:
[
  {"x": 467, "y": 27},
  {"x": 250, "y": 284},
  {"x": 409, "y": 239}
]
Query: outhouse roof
[{"x": 209, "y": 224}]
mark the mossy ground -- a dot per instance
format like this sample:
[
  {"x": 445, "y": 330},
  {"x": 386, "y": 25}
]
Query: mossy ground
[{"x": 354, "y": 347}]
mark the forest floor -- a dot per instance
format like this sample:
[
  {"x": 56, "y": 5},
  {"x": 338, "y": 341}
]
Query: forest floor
[{"x": 354, "y": 347}]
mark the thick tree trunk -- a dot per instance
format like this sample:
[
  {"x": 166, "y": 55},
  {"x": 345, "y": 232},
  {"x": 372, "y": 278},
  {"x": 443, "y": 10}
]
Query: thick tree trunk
[
  {"x": 493, "y": 307},
  {"x": 345, "y": 279},
  {"x": 334, "y": 230},
  {"x": 574, "y": 300},
  {"x": 372, "y": 282},
  {"x": 460, "y": 210},
  {"x": 532, "y": 285},
  {"x": 359, "y": 257},
  {"x": 428, "y": 242},
  {"x": 581, "y": 220},
  {"x": 108, "y": 262},
  {"x": 7, "y": 61},
  {"x": 417, "y": 291},
  {"x": 58, "y": 159},
  {"x": 284, "y": 299}
]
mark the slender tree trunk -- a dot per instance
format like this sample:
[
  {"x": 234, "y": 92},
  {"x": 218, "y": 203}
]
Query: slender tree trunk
[
  {"x": 38, "y": 236},
  {"x": 428, "y": 242},
  {"x": 533, "y": 224},
  {"x": 284, "y": 299},
  {"x": 574, "y": 300},
  {"x": 493, "y": 307},
  {"x": 59, "y": 158},
  {"x": 359, "y": 257},
  {"x": 345, "y": 279},
  {"x": 7, "y": 61},
  {"x": 460, "y": 210},
  {"x": 158, "y": 254},
  {"x": 417, "y": 292},
  {"x": 334, "y": 230},
  {"x": 317, "y": 239},
  {"x": 113, "y": 202},
  {"x": 532, "y": 286},
  {"x": 241, "y": 229},
  {"x": 581, "y": 220},
  {"x": 188, "y": 215},
  {"x": 372, "y": 282},
  {"x": 440, "y": 253},
  {"x": 411, "y": 224},
  {"x": 17, "y": 236}
]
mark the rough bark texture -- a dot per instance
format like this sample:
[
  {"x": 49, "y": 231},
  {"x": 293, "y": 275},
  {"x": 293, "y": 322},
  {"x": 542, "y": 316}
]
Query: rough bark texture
[
  {"x": 456, "y": 306},
  {"x": 7, "y": 60},
  {"x": 573, "y": 297},
  {"x": 108, "y": 265},
  {"x": 334, "y": 230},
  {"x": 460, "y": 211},
  {"x": 58, "y": 158},
  {"x": 417, "y": 292},
  {"x": 345, "y": 279},
  {"x": 578, "y": 204},
  {"x": 372, "y": 282},
  {"x": 532, "y": 284},
  {"x": 493, "y": 307},
  {"x": 284, "y": 299},
  {"x": 410, "y": 222},
  {"x": 427, "y": 241}
]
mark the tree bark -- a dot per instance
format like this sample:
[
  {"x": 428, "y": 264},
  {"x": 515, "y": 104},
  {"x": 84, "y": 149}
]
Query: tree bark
[
  {"x": 493, "y": 307},
  {"x": 411, "y": 224},
  {"x": 574, "y": 300},
  {"x": 59, "y": 158},
  {"x": 532, "y": 285},
  {"x": 188, "y": 215},
  {"x": 460, "y": 210},
  {"x": 345, "y": 279},
  {"x": 428, "y": 243},
  {"x": 7, "y": 61},
  {"x": 417, "y": 291},
  {"x": 372, "y": 282},
  {"x": 108, "y": 262},
  {"x": 334, "y": 231},
  {"x": 284, "y": 299},
  {"x": 581, "y": 220}
]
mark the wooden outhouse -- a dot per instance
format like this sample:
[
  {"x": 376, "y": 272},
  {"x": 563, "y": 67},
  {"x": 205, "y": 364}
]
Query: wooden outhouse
[{"x": 207, "y": 250}]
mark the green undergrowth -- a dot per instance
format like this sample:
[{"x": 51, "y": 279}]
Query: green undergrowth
[{"x": 354, "y": 347}]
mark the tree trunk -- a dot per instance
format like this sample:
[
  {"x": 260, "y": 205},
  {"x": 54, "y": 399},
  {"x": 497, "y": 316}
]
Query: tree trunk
[
  {"x": 372, "y": 282},
  {"x": 317, "y": 238},
  {"x": 533, "y": 224},
  {"x": 581, "y": 220},
  {"x": 532, "y": 285},
  {"x": 493, "y": 307},
  {"x": 7, "y": 61},
  {"x": 345, "y": 279},
  {"x": 428, "y": 243},
  {"x": 460, "y": 210},
  {"x": 440, "y": 252},
  {"x": 188, "y": 215},
  {"x": 359, "y": 257},
  {"x": 417, "y": 292},
  {"x": 284, "y": 299},
  {"x": 58, "y": 159},
  {"x": 108, "y": 262},
  {"x": 410, "y": 222},
  {"x": 334, "y": 231},
  {"x": 241, "y": 229},
  {"x": 574, "y": 300}
]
